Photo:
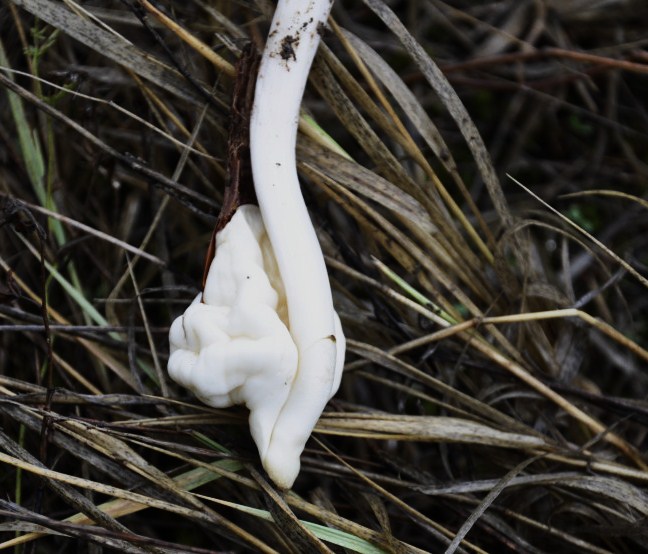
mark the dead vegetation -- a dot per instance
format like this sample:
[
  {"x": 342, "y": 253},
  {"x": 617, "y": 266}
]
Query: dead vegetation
[{"x": 477, "y": 172}]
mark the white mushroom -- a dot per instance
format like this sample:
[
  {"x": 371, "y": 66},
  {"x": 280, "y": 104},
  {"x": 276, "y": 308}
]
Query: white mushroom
[
  {"x": 292, "y": 42},
  {"x": 265, "y": 333}
]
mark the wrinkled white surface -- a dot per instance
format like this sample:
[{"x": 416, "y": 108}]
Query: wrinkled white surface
[{"x": 233, "y": 347}]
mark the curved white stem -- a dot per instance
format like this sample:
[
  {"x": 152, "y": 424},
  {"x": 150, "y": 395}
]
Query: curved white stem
[
  {"x": 264, "y": 333},
  {"x": 313, "y": 324}
]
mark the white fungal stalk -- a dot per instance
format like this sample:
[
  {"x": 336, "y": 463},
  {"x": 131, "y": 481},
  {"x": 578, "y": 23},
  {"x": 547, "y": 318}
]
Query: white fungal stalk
[
  {"x": 264, "y": 332},
  {"x": 314, "y": 325}
]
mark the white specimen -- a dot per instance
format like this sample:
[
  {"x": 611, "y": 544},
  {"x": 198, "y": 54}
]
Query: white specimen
[
  {"x": 265, "y": 333},
  {"x": 232, "y": 345}
]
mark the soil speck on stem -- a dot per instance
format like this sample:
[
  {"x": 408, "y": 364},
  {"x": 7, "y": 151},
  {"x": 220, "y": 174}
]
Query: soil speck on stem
[{"x": 286, "y": 50}]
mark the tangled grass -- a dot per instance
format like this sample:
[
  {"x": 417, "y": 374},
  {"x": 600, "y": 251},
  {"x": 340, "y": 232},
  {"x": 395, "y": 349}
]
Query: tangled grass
[{"x": 477, "y": 173}]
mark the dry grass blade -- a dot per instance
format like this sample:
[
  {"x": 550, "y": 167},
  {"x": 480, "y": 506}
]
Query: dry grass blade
[
  {"x": 286, "y": 520},
  {"x": 426, "y": 128},
  {"x": 75, "y": 498},
  {"x": 95, "y": 232},
  {"x": 420, "y": 428},
  {"x": 643, "y": 280},
  {"x": 434, "y": 528},
  {"x": 454, "y": 105},
  {"x": 611, "y": 193},
  {"x": 136, "y": 498},
  {"x": 121, "y": 507},
  {"x": 483, "y": 506},
  {"x": 180, "y": 191},
  {"x": 121, "y": 52},
  {"x": 108, "y": 103}
]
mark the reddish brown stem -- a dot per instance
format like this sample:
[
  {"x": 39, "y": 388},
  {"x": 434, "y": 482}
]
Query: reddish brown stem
[{"x": 240, "y": 188}]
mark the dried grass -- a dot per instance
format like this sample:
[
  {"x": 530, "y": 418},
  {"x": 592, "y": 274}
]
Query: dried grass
[{"x": 494, "y": 396}]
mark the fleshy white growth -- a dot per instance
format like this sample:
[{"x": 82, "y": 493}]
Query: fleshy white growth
[
  {"x": 231, "y": 345},
  {"x": 266, "y": 333}
]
